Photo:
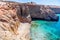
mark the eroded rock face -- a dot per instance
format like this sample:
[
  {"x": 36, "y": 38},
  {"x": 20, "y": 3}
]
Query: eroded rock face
[
  {"x": 42, "y": 12},
  {"x": 14, "y": 22},
  {"x": 15, "y": 19},
  {"x": 25, "y": 14}
]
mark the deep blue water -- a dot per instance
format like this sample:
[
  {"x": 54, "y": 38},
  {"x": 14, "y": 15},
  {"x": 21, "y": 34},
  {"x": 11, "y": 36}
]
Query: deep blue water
[{"x": 45, "y": 30}]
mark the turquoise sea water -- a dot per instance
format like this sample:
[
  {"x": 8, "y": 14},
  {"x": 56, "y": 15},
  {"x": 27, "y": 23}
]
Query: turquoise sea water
[{"x": 45, "y": 30}]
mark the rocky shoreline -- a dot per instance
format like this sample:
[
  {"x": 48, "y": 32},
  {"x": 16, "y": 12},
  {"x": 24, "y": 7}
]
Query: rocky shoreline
[
  {"x": 36, "y": 11},
  {"x": 13, "y": 25},
  {"x": 41, "y": 12},
  {"x": 15, "y": 19}
]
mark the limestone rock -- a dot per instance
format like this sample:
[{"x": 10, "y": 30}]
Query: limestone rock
[
  {"x": 15, "y": 19},
  {"x": 14, "y": 22},
  {"x": 42, "y": 12}
]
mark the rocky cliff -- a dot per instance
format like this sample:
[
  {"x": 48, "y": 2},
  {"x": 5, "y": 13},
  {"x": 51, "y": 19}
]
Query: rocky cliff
[
  {"x": 14, "y": 21},
  {"x": 36, "y": 12},
  {"x": 42, "y": 12},
  {"x": 56, "y": 9}
]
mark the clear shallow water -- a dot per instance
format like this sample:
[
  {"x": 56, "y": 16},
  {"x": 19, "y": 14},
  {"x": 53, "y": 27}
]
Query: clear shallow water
[{"x": 45, "y": 30}]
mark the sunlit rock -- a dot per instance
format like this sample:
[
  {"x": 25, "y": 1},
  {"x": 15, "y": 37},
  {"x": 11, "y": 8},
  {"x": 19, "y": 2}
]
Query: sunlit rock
[{"x": 14, "y": 22}]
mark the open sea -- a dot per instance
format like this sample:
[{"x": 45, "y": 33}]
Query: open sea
[{"x": 45, "y": 30}]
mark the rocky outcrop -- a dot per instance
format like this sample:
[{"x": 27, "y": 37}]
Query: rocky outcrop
[
  {"x": 14, "y": 21},
  {"x": 56, "y": 9},
  {"x": 36, "y": 11},
  {"x": 42, "y": 12}
]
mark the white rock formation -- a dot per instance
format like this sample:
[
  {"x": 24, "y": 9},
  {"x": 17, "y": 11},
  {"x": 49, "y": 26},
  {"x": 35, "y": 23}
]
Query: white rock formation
[{"x": 13, "y": 30}]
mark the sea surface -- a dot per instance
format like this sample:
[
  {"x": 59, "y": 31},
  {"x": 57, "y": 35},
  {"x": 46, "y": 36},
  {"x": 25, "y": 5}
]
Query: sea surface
[{"x": 45, "y": 30}]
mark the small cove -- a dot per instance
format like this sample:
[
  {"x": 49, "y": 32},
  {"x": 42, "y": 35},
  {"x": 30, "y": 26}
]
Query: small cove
[{"x": 45, "y": 30}]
